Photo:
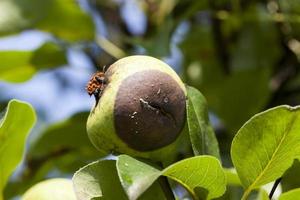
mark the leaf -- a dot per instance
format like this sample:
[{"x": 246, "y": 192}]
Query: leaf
[
  {"x": 68, "y": 134},
  {"x": 225, "y": 89},
  {"x": 232, "y": 177},
  {"x": 13, "y": 14},
  {"x": 67, "y": 21},
  {"x": 51, "y": 189},
  {"x": 200, "y": 173},
  {"x": 14, "y": 129},
  {"x": 232, "y": 193},
  {"x": 99, "y": 180},
  {"x": 290, "y": 180},
  {"x": 202, "y": 136},
  {"x": 49, "y": 55},
  {"x": 290, "y": 195},
  {"x": 265, "y": 147},
  {"x": 158, "y": 43},
  {"x": 291, "y": 8},
  {"x": 262, "y": 195},
  {"x": 18, "y": 66},
  {"x": 234, "y": 188},
  {"x": 63, "y": 19},
  {"x": 255, "y": 38},
  {"x": 65, "y": 145},
  {"x": 62, "y": 147},
  {"x": 135, "y": 176}
]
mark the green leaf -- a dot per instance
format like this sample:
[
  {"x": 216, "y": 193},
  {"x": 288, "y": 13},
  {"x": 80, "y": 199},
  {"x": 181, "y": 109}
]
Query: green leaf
[
  {"x": 14, "y": 129},
  {"x": 256, "y": 36},
  {"x": 49, "y": 55},
  {"x": 225, "y": 89},
  {"x": 64, "y": 19},
  {"x": 262, "y": 195},
  {"x": 290, "y": 195},
  {"x": 234, "y": 188},
  {"x": 62, "y": 147},
  {"x": 135, "y": 176},
  {"x": 14, "y": 14},
  {"x": 291, "y": 8},
  {"x": 265, "y": 147},
  {"x": 200, "y": 173},
  {"x": 202, "y": 136},
  {"x": 232, "y": 177},
  {"x": 158, "y": 43},
  {"x": 65, "y": 144},
  {"x": 18, "y": 66},
  {"x": 236, "y": 97},
  {"x": 99, "y": 180},
  {"x": 290, "y": 180},
  {"x": 69, "y": 135}
]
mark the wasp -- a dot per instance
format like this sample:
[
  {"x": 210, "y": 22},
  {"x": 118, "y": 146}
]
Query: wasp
[{"x": 97, "y": 84}]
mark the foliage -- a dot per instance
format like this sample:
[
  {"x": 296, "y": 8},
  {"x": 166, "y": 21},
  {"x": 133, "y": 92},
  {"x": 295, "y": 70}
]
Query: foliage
[
  {"x": 242, "y": 55},
  {"x": 275, "y": 134},
  {"x": 202, "y": 136},
  {"x": 28, "y": 63},
  {"x": 15, "y": 126}
]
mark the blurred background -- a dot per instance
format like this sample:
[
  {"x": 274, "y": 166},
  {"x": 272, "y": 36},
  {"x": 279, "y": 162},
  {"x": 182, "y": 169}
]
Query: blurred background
[{"x": 243, "y": 55}]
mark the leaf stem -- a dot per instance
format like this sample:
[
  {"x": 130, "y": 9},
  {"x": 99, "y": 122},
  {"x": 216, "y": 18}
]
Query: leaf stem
[
  {"x": 274, "y": 187},
  {"x": 246, "y": 193}
]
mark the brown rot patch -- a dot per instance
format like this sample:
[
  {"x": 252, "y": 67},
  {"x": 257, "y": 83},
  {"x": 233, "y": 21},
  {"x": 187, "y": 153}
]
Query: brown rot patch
[{"x": 149, "y": 110}]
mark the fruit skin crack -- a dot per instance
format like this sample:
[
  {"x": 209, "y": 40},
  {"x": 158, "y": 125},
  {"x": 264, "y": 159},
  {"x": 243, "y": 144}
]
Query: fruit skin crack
[{"x": 157, "y": 109}]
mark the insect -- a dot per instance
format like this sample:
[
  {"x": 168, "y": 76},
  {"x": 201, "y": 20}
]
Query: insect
[{"x": 97, "y": 84}]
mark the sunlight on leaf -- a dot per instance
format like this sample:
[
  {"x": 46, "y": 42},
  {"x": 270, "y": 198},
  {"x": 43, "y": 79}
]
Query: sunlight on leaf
[
  {"x": 12, "y": 16},
  {"x": 14, "y": 129},
  {"x": 203, "y": 172},
  {"x": 99, "y": 180},
  {"x": 262, "y": 195},
  {"x": 265, "y": 147},
  {"x": 197, "y": 174},
  {"x": 135, "y": 175}
]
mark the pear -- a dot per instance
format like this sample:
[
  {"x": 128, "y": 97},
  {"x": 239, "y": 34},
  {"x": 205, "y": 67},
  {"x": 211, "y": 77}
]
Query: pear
[{"x": 141, "y": 109}]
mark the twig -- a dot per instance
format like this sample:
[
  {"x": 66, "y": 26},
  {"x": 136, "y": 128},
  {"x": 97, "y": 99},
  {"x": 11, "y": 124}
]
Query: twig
[
  {"x": 164, "y": 183},
  {"x": 221, "y": 45},
  {"x": 274, "y": 187},
  {"x": 110, "y": 48}
]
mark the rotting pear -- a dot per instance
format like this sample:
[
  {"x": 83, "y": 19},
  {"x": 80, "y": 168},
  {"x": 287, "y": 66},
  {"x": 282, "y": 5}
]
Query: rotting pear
[{"x": 140, "y": 109}]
